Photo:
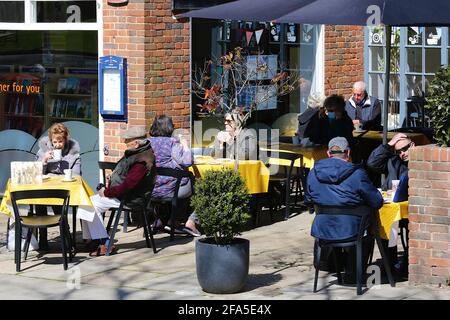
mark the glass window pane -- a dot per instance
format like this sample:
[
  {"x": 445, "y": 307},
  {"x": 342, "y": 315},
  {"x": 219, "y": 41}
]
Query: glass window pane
[
  {"x": 428, "y": 79},
  {"x": 307, "y": 33},
  {"x": 432, "y": 60},
  {"x": 47, "y": 77},
  {"x": 415, "y": 36},
  {"x": 294, "y": 57},
  {"x": 395, "y": 36},
  {"x": 376, "y": 85},
  {"x": 395, "y": 59},
  {"x": 66, "y": 11},
  {"x": 376, "y": 59},
  {"x": 376, "y": 35},
  {"x": 413, "y": 85},
  {"x": 394, "y": 91},
  {"x": 307, "y": 57},
  {"x": 292, "y": 32},
  {"x": 433, "y": 36},
  {"x": 414, "y": 60},
  {"x": 12, "y": 11}
]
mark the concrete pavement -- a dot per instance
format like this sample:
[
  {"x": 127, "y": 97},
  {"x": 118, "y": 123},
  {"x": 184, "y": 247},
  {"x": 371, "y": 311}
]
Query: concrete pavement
[{"x": 280, "y": 268}]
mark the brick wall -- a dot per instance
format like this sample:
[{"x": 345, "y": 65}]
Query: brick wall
[
  {"x": 429, "y": 215},
  {"x": 158, "y": 53},
  {"x": 344, "y": 58}
]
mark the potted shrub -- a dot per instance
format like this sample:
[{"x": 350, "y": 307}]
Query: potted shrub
[{"x": 221, "y": 203}]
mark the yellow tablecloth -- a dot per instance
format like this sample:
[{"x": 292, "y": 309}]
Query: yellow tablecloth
[
  {"x": 80, "y": 192},
  {"x": 254, "y": 172},
  {"x": 310, "y": 154},
  {"x": 389, "y": 213}
]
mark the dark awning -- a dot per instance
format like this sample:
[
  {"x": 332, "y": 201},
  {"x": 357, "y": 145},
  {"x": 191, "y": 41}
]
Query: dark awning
[{"x": 179, "y": 6}]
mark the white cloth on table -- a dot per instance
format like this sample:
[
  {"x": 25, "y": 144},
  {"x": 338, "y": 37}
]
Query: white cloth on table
[{"x": 95, "y": 229}]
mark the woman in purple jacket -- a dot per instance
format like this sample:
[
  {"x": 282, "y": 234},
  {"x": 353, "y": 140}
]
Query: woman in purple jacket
[{"x": 171, "y": 152}]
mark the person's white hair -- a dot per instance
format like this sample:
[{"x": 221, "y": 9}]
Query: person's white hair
[
  {"x": 316, "y": 99},
  {"x": 359, "y": 85}
]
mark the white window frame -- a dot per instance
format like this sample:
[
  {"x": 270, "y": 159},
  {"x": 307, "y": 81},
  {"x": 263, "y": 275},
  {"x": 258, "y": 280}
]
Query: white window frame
[{"x": 31, "y": 24}]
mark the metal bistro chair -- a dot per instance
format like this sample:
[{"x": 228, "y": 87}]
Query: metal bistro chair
[
  {"x": 174, "y": 201},
  {"x": 32, "y": 222},
  {"x": 105, "y": 165},
  {"x": 284, "y": 177},
  {"x": 144, "y": 209},
  {"x": 368, "y": 221}
]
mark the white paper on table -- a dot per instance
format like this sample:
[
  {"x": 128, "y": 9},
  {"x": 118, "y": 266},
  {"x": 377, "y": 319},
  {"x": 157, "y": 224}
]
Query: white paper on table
[
  {"x": 393, "y": 234},
  {"x": 111, "y": 90},
  {"x": 86, "y": 213}
]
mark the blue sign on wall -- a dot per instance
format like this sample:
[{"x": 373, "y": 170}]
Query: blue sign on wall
[{"x": 112, "y": 75}]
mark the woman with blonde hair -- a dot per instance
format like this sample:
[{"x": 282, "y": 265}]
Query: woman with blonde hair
[
  {"x": 308, "y": 121},
  {"x": 59, "y": 141},
  {"x": 57, "y": 151}
]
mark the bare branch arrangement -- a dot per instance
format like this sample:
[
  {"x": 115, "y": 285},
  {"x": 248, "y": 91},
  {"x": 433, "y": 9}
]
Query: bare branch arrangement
[{"x": 230, "y": 84}]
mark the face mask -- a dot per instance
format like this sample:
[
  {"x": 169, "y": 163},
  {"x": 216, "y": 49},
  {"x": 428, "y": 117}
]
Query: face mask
[{"x": 331, "y": 115}]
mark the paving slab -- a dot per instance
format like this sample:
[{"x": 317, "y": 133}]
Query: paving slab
[{"x": 281, "y": 256}]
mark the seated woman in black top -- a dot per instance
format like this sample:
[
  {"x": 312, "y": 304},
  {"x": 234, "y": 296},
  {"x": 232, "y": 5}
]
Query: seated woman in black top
[{"x": 335, "y": 122}]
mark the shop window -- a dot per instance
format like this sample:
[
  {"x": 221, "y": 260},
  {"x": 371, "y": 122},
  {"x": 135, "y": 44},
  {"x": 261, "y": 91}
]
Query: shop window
[
  {"x": 66, "y": 11},
  {"x": 12, "y": 11},
  {"x": 418, "y": 52},
  {"x": 287, "y": 47},
  {"x": 47, "y": 77}
]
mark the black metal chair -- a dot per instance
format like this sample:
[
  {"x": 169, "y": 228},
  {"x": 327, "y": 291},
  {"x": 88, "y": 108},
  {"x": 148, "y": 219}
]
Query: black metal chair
[
  {"x": 145, "y": 209},
  {"x": 32, "y": 221},
  {"x": 105, "y": 165},
  {"x": 285, "y": 177},
  {"x": 368, "y": 223},
  {"x": 174, "y": 201}
]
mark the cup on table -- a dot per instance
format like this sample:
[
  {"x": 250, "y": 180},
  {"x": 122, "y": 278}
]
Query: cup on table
[
  {"x": 395, "y": 184},
  {"x": 359, "y": 127},
  {"x": 57, "y": 154},
  {"x": 295, "y": 140},
  {"x": 67, "y": 174},
  {"x": 394, "y": 188}
]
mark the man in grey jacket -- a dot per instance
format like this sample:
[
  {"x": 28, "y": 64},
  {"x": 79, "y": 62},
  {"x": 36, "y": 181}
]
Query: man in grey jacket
[{"x": 364, "y": 110}]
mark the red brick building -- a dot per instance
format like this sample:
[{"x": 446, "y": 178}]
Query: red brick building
[{"x": 158, "y": 49}]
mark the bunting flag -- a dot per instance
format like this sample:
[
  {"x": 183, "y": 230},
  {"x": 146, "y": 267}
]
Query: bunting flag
[
  {"x": 248, "y": 35},
  {"x": 258, "y": 34}
]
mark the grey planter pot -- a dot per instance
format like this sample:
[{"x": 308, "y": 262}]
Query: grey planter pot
[{"x": 222, "y": 268}]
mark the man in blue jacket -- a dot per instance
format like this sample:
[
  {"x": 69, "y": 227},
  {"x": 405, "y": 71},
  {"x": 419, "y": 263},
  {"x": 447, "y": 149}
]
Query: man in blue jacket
[{"x": 336, "y": 181}]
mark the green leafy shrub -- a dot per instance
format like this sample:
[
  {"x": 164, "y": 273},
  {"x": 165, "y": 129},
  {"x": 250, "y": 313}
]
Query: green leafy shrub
[
  {"x": 221, "y": 203},
  {"x": 438, "y": 102}
]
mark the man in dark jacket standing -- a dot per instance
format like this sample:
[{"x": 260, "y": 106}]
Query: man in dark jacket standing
[
  {"x": 364, "y": 110},
  {"x": 134, "y": 172},
  {"x": 337, "y": 182},
  {"x": 391, "y": 159}
]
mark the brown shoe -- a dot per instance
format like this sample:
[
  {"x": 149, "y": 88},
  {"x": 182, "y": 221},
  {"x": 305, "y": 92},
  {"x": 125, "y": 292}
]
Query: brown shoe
[{"x": 101, "y": 251}]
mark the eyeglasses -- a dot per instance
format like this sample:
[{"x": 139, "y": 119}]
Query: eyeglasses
[
  {"x": 228, "y": 121},
  {"x": 404, "y": 149}
]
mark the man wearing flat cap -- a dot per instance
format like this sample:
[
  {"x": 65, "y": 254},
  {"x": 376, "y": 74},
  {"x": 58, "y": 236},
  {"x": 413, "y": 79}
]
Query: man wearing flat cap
[
  {"x": 336, "y": 181},
  {"x": 134, "y": 171}
]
